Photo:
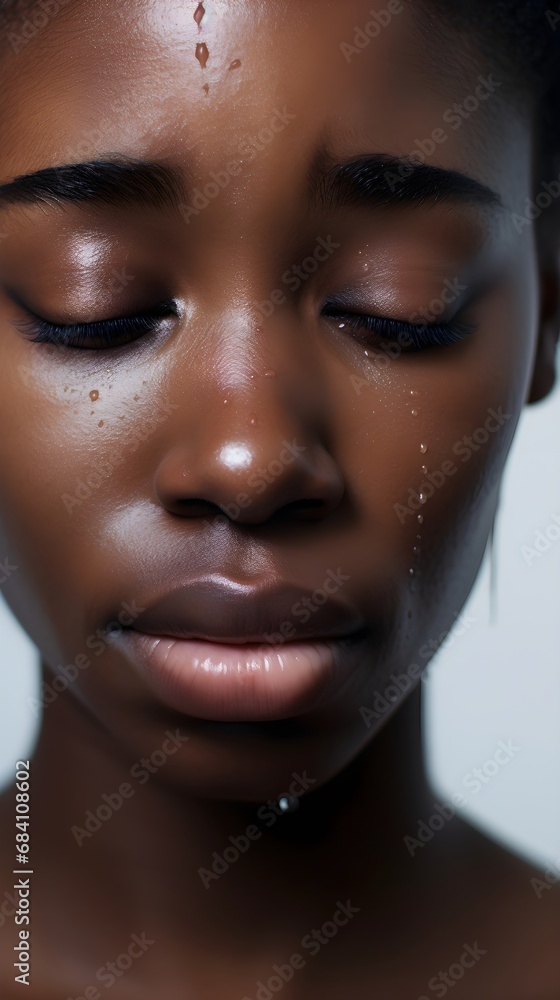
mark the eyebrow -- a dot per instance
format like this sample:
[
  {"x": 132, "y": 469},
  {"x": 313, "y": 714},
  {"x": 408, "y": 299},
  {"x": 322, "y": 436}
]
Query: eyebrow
[
  {"x": 377, "y": 180},
  {"x": 115, "y": 182},
  {"x": 386, "y": 181}
]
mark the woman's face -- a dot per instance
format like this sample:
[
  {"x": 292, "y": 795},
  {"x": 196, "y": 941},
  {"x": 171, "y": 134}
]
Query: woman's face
[{"x": 259, "y": 431}]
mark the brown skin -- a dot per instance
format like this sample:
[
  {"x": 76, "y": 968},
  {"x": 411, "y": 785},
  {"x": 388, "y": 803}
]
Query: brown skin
[{"x": 67, "y": 98}]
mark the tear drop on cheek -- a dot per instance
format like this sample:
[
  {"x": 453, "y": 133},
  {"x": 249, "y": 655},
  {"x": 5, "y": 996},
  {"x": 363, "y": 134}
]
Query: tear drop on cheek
[
  {"x": 199, "y": 14},
  {"x": 201, "y": 53},
  {"x": 235, "y": 64},
  {"x": 423, "y": 448},
  {"x": 94, "y": 395}
]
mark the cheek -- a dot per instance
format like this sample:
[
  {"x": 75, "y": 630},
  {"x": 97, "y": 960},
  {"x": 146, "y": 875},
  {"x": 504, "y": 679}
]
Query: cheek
[
  {"x": 429, "y": 437},
  {"x": 69, "y": 455}
]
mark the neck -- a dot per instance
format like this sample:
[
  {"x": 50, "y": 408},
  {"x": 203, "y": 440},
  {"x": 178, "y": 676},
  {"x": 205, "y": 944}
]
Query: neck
[{"x": 160, "y": 841}]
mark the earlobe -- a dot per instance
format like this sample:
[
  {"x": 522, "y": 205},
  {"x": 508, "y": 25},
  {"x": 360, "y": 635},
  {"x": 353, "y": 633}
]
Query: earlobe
[{"x": 544, "y": 372}]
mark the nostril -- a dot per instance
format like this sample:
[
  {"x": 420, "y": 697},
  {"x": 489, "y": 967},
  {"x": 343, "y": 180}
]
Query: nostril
[{"x": 304, "y": 510}]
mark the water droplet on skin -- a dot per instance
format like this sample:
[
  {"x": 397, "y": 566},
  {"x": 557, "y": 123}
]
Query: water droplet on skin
[
  {"x": 235, "y": 64},
  {"x": 206, "y": 88},
  {"x": 202, "y": 53},
  {"x": 270, "y": 374},
  {"x": 100, "y": 424},
  {"x": 423, "y": 448},
  {"x": 94, "y": 395},
  {"x": 341, "y": 326},
  {"x": 225, "y": 402},
  {"x": 420, "y": 519},
  {"x": 412, "y": 571},
  {"x": 422, "y": 497},
  {"x": 424, "y": 470},
  {"x": 414, "y": 413},
  {"x": 199, "y": 14},
  {"x": 412, "y": 392}
]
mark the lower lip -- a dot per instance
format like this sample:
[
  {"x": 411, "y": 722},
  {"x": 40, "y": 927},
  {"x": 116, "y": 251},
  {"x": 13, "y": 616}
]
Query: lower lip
[{"x": 223, "y": 682}]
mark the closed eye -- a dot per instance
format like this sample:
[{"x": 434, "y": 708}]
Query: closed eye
[
  {"x": 409, "y": 337},
  {"x": 100, "y": 335}
]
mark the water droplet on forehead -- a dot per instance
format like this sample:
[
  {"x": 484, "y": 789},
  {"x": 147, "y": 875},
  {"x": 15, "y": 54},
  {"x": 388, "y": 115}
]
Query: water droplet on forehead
[
  {"x": 199, "y": 13},
  {"x": 202, "y": 53}
]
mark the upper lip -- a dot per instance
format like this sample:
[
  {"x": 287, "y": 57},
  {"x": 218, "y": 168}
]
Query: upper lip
[{"x": 224, "y": 610}]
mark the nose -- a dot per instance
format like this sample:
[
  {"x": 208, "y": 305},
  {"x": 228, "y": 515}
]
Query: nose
[{"x": 254, "y": 451}]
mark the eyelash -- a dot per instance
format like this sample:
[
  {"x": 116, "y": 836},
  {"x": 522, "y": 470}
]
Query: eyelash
[
  {"x": 108, "y": 334},
  {"x": 409, "y": 336},
  {"x": 101, "y": 335}
]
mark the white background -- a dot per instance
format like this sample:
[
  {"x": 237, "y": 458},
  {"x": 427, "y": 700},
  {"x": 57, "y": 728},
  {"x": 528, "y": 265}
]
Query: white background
[{"x": 496, "y": 682}]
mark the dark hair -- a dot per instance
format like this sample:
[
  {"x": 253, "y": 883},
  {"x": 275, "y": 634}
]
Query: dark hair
[{"x": 520, "y": 39}]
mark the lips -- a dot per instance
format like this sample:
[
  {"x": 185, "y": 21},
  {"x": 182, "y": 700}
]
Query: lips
[
  {"x": 225, "y": 611},
  {"x": 222, "y": 650}
]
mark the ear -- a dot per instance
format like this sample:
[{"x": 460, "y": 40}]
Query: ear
[{"x": 548, "y": 247}]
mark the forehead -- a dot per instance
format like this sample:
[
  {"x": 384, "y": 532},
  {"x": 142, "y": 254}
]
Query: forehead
[{"x": 154, "y": 80}]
